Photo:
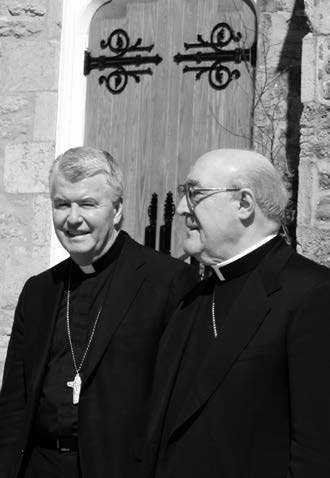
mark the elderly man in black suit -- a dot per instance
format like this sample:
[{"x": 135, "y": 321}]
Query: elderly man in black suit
[
  {"x": 81, "y": 356},
  {"x": 242, "y": 385}
]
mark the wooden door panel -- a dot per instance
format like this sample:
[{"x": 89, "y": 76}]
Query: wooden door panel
[{"x": 156, "y": 128}]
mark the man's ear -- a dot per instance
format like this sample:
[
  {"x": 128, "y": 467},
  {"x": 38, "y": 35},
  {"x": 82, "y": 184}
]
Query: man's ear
[
  {"x": 118, "y": 212},
  {"x": 247, "y": 204}
]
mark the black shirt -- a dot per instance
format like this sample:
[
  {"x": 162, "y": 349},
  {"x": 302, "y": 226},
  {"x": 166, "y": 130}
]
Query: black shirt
[{"x": 57, "y": 416}]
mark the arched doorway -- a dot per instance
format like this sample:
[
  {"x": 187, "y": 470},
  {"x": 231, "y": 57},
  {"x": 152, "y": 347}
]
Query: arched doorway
[
  {"x": 157, "y": 127},
  {"x": 159, "y": 121}
]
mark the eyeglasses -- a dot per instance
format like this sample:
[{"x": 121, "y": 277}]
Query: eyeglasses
[{"x": 195, "y": 195}]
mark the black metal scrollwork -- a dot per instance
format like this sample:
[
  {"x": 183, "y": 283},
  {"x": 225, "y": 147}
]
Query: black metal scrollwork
[
  {"x": 118, "y": 42},
  {"x": 219, "y": 75}
]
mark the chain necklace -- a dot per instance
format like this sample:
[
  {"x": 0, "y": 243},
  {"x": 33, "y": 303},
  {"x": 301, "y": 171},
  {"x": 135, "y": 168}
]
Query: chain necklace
[
  {"x": 76, "y": 383},
  {"x": 214, "y": 324}
]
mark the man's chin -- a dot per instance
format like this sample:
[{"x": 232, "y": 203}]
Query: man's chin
[{"x": 192, "y": 249}]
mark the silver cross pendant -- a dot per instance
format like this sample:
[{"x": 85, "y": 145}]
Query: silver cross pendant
[{"x": 76, "y": 386}]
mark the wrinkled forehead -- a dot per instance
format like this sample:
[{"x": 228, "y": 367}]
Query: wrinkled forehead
[{"x": 209, "y": 170}]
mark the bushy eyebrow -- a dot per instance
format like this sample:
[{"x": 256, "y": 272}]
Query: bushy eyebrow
[{"x": 193, "y": 182}]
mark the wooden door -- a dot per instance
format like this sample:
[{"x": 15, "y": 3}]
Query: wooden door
[{"x": 157, "y": 127}]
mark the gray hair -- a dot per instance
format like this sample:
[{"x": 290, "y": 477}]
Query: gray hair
[
  {"x": 268, "y": 187},
  {"x": 82, "y": 162}
]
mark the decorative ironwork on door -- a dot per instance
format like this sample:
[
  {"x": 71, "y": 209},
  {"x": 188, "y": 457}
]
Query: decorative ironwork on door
[
  {"x": 219, "y": 75},
  {"x": 119, "y": 43}
]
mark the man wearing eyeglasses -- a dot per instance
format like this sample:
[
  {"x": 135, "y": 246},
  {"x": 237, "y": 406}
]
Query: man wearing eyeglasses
[{"x": 242, "y": 385}]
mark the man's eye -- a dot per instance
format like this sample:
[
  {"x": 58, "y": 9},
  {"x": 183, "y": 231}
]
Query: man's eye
[
  {"x": 87, "y": 204},
  {"x": 61, "y": 205},
  {"x": 196, "y": 195}
]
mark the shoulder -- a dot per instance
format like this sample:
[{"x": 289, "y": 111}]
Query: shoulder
[
  {"x": 305, "y": 272},
  {"x": 161, "y": 268},
  {"x": 154, "y": 258},
  {"x": 52, "y": 275}
]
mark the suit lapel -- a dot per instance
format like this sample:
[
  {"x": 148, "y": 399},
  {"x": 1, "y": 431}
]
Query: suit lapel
[
  {"x": 243, "y": 321},
  {"x": 170, "y": 354},
  {"x": 128, "y": 278}
]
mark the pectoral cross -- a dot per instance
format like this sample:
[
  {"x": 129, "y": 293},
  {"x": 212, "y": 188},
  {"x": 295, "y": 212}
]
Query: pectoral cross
[{"x": 76, "y": 386}]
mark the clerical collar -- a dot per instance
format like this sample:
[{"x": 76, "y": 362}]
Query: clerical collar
[
  {"x": 106, "y": 259},
  {"x": 245, "y": 261}
]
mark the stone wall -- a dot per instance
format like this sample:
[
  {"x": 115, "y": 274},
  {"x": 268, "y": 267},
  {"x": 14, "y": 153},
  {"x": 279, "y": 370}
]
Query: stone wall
[
  {"x": 313, "y": 231},
  {"x": 29, "y": 50},
  {"x": 291, "y": 117}
]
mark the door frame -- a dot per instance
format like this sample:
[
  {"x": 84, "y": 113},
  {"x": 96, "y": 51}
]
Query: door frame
[{"x": 76, "y": 19}]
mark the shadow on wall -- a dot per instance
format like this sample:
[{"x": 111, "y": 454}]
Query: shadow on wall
[{"x": 290, "y": 63}]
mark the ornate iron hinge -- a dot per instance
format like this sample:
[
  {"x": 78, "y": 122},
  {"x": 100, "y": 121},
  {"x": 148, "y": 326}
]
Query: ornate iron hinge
[
  {"x": 219, "y": 75},
  {"x": 119, "y": 43}
]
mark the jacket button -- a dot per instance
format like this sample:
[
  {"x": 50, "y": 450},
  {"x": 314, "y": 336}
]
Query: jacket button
[{"x": 22, "y": 451}]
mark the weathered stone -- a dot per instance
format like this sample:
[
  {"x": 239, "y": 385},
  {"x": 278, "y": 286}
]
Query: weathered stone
[
  {"x": 20, "y": 29},
  {"x": 41, "y": 221},
  {"x": 318, "y": 15},
  {"x": 12, "y": 227},
  {"x": 29, "y": 65},
  {"x": 271, "y": 6},
  {"x": 20, "y": 264},
  {"x": 323, "y": 209},
  {"x": 45, "y": 117},
  {"x": 16, "y": 117},
  {"x": 27, "y": 166},
  {"x": 33, "y": 8},
  {"x": 314, "y": 244},
  {"x": 54, "y": 19},
  {"x": 316, "y": 78},
  {"x": 308, "y": 192}
]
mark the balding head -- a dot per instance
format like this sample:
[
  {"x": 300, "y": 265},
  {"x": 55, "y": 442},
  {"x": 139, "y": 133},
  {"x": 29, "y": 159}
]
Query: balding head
[
  {"x": 235, "y": 199},
  {"x": 248, "y": 169}
]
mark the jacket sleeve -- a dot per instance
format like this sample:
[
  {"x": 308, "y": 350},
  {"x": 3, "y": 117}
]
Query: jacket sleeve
[
  {"x": 309, "y": 379},
  {"x": 13, "y": 393}
]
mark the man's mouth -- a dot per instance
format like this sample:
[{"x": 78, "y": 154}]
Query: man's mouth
[{"x": 76, "y": 233}]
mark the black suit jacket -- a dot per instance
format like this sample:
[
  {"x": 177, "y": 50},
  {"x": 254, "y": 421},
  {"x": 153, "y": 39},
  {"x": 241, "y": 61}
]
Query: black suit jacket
[
  {"x": 118, "y": 369},
  {"x": 259, "y": 406}
]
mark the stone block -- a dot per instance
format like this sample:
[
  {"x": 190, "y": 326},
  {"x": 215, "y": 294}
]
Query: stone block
[
  {"x": 273, "y": 6},
  {"x": 308, "y": 193},
  {"x": 324, "y": 173},
  {"x": 41, "y": 223},
  {"x": 12, "y": 227},
  {"x": 314, "y": 244},
  {"x": 45, "y": 117},
  {"x": 31, "y": 8},
  {"x": 20, "y": 264},
  {"x": 318, "y": 15},
  {"x": 27, "y": 166},
  {"x": 315, "y": 69},
  {"x": 20, "y": 29},
  {"x": 323, "y": 209},
  {"x": 16, "y": 117},
  {"x": 29, "y": 65},
  {"x": 54, "y": 19}
]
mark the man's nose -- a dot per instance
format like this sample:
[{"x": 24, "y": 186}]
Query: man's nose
[
  {"x": 182, "y": 207},
  {"x": 74, "y": 216}
]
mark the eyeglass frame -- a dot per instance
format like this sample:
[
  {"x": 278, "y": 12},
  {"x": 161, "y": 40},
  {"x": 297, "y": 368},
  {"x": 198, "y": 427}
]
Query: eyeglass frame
[{"x": 184, "y": 189}]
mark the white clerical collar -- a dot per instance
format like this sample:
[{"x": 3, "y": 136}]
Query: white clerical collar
[
  {"x": 218, "y": 266},
  {"x": 89, "y": 269}
]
